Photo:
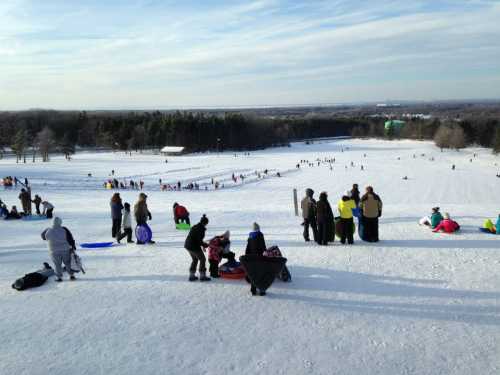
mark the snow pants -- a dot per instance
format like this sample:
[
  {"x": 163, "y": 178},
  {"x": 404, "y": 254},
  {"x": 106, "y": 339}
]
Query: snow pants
[
  {"x": 58, "y": 259},
  {"x": 197, "y": 256},
  {"x": 371, "y": 228},
  {"x": 127, "y": 232},
  {"x": 323, "y": 233},
  {"x": 115, "y": 230},
  {"x": 310, "y": 222},
  {"x": 347, "y": 233}
]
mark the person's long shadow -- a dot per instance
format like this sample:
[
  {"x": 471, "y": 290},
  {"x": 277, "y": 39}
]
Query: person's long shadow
[{"x": 310, "y": 279}]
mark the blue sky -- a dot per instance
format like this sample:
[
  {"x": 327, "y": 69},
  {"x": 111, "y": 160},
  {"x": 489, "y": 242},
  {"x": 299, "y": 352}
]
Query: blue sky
[{"x": 84, "y": 54}]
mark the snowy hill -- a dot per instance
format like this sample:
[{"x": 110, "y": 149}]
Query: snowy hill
[{"x": 414, "y": 303}]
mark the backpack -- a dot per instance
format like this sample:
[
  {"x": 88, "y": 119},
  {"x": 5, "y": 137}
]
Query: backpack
[{"x": 30, "y": 280}]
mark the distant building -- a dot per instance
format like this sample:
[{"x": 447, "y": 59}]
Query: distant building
[{"x": 172, "y": 150}]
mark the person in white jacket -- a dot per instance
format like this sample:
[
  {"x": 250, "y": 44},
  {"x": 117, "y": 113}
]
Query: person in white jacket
[{"x": 126, "y": 225}]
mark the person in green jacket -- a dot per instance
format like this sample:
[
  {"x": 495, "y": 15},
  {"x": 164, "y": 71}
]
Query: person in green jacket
[{"x": 434, "y": 220}]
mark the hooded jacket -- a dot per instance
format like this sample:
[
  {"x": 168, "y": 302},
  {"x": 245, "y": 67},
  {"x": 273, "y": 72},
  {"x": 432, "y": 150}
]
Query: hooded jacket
[
  {"x": 345, "y": 207},
  {"x": 436, "y": 218},
  {"x": 371, "y": 205},
  {"x": 194, "y": 240},
  {"x": 141, "y": 211},
  {"x": 324, "y": 211},
  {"x": 60, "y": 239},
  {"x": 256, "y": 245}
]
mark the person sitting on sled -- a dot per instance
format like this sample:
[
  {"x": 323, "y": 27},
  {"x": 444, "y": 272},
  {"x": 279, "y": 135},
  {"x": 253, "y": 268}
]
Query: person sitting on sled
[
  {"x": 218, "y": 248},
  {"x": 181, "y": 214},
  {"x": 434, "y": 220},
  {"x": 447, "y": 225}
]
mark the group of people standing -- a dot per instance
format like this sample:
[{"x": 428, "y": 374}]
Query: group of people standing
[
  {"x": 319, "y": 217},
  {"x": 121, "y": 217},
  {"x": 26, "y": 204}
]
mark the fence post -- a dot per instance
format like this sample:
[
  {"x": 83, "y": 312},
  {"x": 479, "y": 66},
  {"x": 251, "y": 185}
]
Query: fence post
[{"x": 295, "y": 203}]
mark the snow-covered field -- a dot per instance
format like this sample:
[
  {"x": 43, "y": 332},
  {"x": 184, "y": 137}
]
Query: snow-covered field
[{"x": 415, "y": 303}]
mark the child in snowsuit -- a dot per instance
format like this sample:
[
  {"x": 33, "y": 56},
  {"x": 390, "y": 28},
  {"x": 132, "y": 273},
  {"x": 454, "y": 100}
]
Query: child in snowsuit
[
  {"x": 256, "y": 245},
  {"x": 127, "y": 225},
  {"x": 448, "y": 225},
  {"x": 218, "y": 248}
]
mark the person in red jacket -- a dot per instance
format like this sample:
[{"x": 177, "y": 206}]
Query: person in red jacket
[
  {"x": 447, "y": 225},
  {"x": 181, "y": 214}
]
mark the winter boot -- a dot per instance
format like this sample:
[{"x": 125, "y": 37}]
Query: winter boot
[
  {"x": 203, "y": 277},
  {"x": 192, "y": 276},
  {"x": 253, "y": 290}
]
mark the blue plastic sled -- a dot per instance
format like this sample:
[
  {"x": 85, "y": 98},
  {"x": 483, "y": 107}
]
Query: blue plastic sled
[
  {"x": 484, "y": 230},
  {"x": 143, "y": 233},
  {"x": 96, "y": 245},
  {"x": 34, "y": 218}
]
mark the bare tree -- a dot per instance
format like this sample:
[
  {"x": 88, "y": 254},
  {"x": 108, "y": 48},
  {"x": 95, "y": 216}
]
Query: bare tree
[
  {"x": 457, "y": 139},
  {"x": 45, "y": 141},
  {"x": 442, "y": 137}
]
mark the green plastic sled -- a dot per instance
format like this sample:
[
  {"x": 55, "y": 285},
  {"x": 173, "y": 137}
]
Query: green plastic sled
[{"x": 182, "y": 226}]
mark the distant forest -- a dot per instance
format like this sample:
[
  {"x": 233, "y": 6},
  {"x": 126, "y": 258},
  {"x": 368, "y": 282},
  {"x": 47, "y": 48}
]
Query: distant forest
[{"x": 38, "y": 133}]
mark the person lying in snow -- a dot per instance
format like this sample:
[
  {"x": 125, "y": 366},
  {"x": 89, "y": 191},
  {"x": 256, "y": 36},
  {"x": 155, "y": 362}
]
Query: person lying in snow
[
  {"x": 218, "y": 248},
  {"x": 434, "y": 220},
  {"x": 447, "y": 225}
]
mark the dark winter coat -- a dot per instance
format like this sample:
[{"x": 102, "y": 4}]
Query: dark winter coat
[
  {"x": 141, "y": 212},
  {"x": 25, "y": 198},
  {"x": 256, "y": 245},
  {"x": 324, "y": 213},
  {"x": 355, "y": 196},
  {"x": 116, "y": 209},
  {"x": 194, "y": 240}
]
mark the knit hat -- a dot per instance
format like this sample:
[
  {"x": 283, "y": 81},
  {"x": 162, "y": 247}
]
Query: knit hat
[
  {"x": 435, "y": 209},
  {"x": 142, "y": 195},
  {"x": 256, "y": 227},
  {"x": 57, "y": 222},
  {"x": 446, "y": 215},
  {"x": 309, "y": 192},
  {"x": 204, "y": 220},
  {"x": 226, "y": 234}
]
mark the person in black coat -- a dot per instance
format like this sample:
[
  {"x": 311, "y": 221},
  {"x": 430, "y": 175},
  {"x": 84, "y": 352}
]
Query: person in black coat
[
  {"x": 256, "y": 245},
  {"x": 116, "y": 214},
  {"x": 324, "y": 216},
  {"x": 195, "y": 246},
  {"x": 355, "y": 194}
]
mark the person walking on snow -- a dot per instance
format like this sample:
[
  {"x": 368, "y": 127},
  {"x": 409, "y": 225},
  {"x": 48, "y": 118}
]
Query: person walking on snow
[
  {"x": 195, "y": 246},
  {"x": 308, "y": 205},
  {"x": 116, "y": 214},
  {"x": 127, "y": 225},
  {"x": 61, "y": 244},
  {"x": 345, "y": 206},
  {"x": 142, "y": 213}
]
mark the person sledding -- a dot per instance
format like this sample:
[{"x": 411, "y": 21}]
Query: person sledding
[
  {"x": 195, "y": 246},
  {"x": 489, "y": 227},
  {"x": 142, "y": 214},
  {"x": 218, "y": 248},
  {"x": 61, "y": 244},
  {"x": 13, "y": 214},
  {"x": 447, "y": 225},
  {"x": 434, "y": 220},
  {"x": 181, "y": 214}
]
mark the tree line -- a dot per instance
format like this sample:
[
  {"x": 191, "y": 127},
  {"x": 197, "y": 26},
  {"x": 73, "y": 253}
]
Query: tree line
[{"x": 38, "y": 133}]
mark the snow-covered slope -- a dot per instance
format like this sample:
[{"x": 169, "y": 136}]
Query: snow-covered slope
[{"x": 415, "y": 303}]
